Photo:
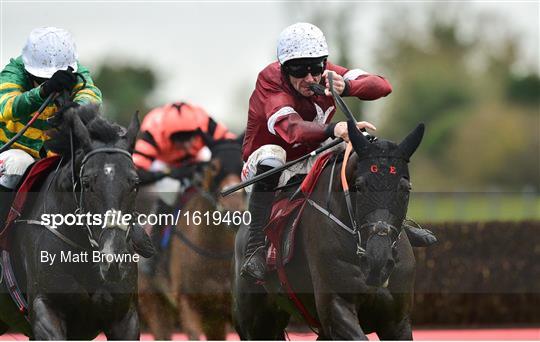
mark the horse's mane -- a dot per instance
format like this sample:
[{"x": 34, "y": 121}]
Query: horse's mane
[{"x": 99, "y": 128}]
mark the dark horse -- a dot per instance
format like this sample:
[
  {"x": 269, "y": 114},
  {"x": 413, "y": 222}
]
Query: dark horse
[
  {"x": 77, "y": 297},
  {"x": 352, "y": 282},
  {"x": 201, "y": 254},
  {"x": 199, "y": 266}
]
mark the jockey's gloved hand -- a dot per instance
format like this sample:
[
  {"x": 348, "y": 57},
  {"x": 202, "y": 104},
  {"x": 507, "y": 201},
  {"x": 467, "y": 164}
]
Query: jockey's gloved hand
[{"x": 60, "y": 80}]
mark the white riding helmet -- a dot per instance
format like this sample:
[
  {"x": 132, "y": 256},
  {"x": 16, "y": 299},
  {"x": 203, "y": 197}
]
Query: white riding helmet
[
  {"x": 47, "y": 50},
  {"x": 301, "y": 40}
]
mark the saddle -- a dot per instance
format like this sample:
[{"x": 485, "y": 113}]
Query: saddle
[
  {"x": 33, "y": 178},
  {"x": 281, "y": 228},
  {"x": 281, "y": 231}
]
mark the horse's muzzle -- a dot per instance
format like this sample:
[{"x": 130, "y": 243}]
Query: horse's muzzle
[
  {"x": 113, "y": 256},
  {"x": 379, "y": 277}
]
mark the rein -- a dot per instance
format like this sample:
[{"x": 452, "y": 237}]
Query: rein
[
  {"x": 210, "y": 196},
  {"x": 79, "y": 201},
  {"x": 199, "y": 250}
]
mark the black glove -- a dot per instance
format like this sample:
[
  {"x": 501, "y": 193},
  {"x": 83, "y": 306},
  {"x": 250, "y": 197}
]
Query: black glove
[
  {"x": 148, "y": 177},
  {"x": 60, "y": 80}
]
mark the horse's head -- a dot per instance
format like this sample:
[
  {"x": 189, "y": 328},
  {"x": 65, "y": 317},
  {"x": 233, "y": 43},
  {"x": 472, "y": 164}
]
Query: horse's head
[
  {"x": 105, "y": 183},
  {"x": 381, "y": 190},
  {"x": 224, "y": 171}
]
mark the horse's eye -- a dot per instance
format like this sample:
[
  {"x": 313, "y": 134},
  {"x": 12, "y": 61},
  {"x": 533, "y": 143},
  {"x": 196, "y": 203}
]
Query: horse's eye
[
  {"x": 85, "y": 182},
  {"x": 405, "y": 185},
  {"x": 360, "y": 184}
]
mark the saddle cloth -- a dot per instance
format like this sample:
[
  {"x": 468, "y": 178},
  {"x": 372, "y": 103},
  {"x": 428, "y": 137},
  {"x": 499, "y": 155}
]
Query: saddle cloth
[
  {"x": 281, "y": 228},
  {"x": 34, "y": 177}
]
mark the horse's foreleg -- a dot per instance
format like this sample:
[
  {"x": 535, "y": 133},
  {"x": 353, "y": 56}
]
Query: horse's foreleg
[
  {"x": 154, "y": 310},
  {"x": 46, "y": 323},
  {"x": 190, "y": 318},
  {"x": 396, "y": 331},
  {"x": 127, "y": 328},
  {"x": 215, "y": 328},
  {"x": 338, "y": 317}
]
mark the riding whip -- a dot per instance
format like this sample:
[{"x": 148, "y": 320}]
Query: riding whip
[
  {"x": 279, "y": 169},
  {"x": 48, "y": 100},
  {"x": 44, "y": 105}
]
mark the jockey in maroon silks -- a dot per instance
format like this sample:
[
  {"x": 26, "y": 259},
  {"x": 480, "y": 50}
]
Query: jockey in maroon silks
[{"x": 288, "y": 120}]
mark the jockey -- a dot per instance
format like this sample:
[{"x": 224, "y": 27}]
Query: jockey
[
  {"x": 171, "y": 141},
  {"x": 47, "y": 65},
  {"x": 288, "y": 120},
  {"x": 171, "y": 144}
]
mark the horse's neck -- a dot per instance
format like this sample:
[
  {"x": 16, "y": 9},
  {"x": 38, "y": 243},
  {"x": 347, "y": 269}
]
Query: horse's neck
[
  {"x": 55, "y": 198},
  {"x": 332, "y": 198},
  {"x": 206, "y": 234},
  {"x": 67, "y": 198}
]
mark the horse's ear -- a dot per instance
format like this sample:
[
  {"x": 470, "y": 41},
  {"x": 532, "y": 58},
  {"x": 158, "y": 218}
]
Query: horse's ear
[
  {"x": 409, "y": 145},
  {"x": 132, "y": 131},
  {"x": 358, "y": 140},
  {"x": 208, "y": 139},
  {"x": 81, "y": 133}
]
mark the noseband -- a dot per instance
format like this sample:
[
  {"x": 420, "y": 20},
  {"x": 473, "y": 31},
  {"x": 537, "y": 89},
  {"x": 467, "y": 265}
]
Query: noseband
[{"x": 385, "y": 229}]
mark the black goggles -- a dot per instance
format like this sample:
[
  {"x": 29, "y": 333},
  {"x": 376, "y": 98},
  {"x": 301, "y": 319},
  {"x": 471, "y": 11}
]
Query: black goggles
[{"x": 303, "y": 69}]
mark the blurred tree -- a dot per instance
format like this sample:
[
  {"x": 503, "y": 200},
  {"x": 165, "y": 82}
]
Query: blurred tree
[
  {"x": 431, "y": 82},
  {"x": 524, "y": 89},
  {"x": 126, "y": 88},
  {"x": 482, "y": 122}
]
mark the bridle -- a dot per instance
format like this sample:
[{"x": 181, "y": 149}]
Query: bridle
[
  {"x": 353, "y": 228},
  {"x": 79, "y": 202},
  {"x": 211, "y": 195},
  {"x": 380, "y": 228}
]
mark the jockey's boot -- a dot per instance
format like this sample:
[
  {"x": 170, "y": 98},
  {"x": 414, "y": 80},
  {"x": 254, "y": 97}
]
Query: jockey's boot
[
  {"x": 418, "y": 236},
  {"x": 6, "y": 197},
  {"x": 141, "y": 242},
  {"x": 260, "y": 206}
]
